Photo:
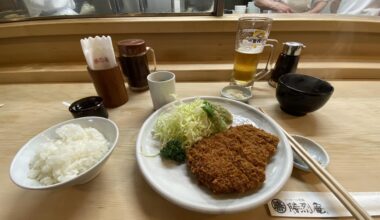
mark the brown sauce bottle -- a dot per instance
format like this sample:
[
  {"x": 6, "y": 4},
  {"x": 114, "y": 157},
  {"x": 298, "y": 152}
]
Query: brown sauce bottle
[{"x": 134, "y": 62}]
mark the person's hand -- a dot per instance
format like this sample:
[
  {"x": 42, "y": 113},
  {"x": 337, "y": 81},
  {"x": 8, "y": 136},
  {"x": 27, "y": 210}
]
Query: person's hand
[{"x": 281, "y": 8}]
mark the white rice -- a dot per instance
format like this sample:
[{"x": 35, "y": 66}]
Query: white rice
[{"x": 74, "y": 152}]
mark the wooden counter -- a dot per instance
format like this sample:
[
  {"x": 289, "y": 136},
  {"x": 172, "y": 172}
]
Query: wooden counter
[{"x": 347, "y": 126}]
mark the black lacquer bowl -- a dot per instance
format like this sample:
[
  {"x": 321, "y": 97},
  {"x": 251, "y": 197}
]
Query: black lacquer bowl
[{"x": 299, "y": 94}]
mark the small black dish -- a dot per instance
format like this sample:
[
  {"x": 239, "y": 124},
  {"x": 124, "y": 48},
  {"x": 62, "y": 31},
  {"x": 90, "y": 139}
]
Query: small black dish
[
  {"x": 299, "y": 94},
  {"x": 89, "y": 106}
]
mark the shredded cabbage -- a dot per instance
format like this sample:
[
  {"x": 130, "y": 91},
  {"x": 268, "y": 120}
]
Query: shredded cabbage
[{"x": 186, "y": 122}]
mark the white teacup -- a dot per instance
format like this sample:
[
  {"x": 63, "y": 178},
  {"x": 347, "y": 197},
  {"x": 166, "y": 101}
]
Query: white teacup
[
  {"x": 240, "y": 9},
  {"x": 161, "y": 87}
]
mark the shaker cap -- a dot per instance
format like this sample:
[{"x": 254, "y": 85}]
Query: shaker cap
[
  {"x": 131, "y": 47},
  {"x": 292, "y": 48}
]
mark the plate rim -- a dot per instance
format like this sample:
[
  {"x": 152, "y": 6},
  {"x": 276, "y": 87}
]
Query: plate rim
[{"x": 215, "y": 210}]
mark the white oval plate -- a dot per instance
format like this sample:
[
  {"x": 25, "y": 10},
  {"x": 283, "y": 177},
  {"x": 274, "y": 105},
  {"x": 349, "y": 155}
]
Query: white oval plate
[{"x": 176, "y": 183}]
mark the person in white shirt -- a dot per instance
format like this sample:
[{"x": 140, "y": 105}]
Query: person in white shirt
[
  {"x": 292, "y": 6},
  {"x": 50, "y": 7},
  {"x": 356, "y": 7}
]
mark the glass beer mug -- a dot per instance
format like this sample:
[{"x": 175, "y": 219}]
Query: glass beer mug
[{"x": 251, "y": 39}]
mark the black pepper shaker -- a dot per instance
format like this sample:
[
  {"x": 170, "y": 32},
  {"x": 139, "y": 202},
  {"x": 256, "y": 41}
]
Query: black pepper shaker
[{"x": 287, "y": 61}]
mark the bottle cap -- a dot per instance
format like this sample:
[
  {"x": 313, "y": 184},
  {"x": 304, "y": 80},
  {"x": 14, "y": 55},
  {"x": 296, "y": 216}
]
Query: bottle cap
[
  {"x": 131, "y": 47},
  {"x": 292, "y": 48}
]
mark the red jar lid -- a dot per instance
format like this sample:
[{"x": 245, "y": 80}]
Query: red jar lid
[{"x": 131, "y": 47}]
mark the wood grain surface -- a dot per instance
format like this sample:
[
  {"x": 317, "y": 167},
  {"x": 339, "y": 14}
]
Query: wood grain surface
[{"x": 347, "y": 126}]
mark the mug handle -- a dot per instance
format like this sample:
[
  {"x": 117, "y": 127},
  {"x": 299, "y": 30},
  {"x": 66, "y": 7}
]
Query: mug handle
[
  {"x": 273, "y": 45},
  {"x": 149, "y": 49}
]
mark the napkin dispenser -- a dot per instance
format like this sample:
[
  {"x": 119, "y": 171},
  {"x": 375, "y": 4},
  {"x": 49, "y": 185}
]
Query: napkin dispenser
[{"x": 104, "y": 70}]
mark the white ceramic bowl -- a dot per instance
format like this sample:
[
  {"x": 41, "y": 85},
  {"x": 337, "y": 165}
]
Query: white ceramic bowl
[{"x": 20, "y": 165}]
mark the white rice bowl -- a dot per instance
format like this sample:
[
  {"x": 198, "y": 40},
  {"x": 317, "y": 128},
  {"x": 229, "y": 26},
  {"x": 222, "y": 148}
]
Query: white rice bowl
[{"x": 68, "y": 153}]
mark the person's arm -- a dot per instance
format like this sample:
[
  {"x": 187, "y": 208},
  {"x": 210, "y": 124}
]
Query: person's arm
[
  {"x": 318, "y": 6},
  {"x": 273, "y": 5},
  {"x": 334, "y": 6}
]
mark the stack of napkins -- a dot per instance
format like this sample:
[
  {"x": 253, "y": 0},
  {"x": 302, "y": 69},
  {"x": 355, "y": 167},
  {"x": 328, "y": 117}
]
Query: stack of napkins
[{"x": 99, "y": 52}]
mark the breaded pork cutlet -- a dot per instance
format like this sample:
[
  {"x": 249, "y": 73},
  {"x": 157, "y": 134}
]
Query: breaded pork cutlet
[{"x": 232, "y": 161}]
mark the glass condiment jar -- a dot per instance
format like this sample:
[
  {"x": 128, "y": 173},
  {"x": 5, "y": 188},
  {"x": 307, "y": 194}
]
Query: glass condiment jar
[
  {"x": 287, "y": 61},
  {"x": 134, "y": 62}
]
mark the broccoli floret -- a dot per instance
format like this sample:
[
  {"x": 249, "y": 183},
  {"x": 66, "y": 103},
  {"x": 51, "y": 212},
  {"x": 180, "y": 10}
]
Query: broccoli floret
[{"x": 173, "y": 150}]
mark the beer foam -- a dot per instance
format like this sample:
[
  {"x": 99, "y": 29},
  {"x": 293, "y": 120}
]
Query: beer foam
[{"x": 251, "y": 48}]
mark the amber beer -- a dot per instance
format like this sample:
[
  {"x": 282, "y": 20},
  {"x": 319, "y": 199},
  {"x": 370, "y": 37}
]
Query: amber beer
[
  {"x": 251, "y": 39},
  {"x": 245, "y": 65}
]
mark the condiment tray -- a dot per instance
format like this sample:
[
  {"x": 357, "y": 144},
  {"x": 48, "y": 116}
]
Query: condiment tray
[{"x": 238, "y": 93}]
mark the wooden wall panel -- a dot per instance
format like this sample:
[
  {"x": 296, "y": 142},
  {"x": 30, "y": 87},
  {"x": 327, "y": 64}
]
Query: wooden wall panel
[{"x": 186, "y": 44}]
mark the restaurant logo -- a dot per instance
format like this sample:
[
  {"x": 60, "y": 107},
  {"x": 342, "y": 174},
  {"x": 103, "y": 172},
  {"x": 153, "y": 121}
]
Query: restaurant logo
[{"x": 278, "y": 205}]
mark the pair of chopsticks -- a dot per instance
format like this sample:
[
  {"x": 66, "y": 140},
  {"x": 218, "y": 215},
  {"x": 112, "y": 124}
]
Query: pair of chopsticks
[{"x": 344, "y": 197}]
